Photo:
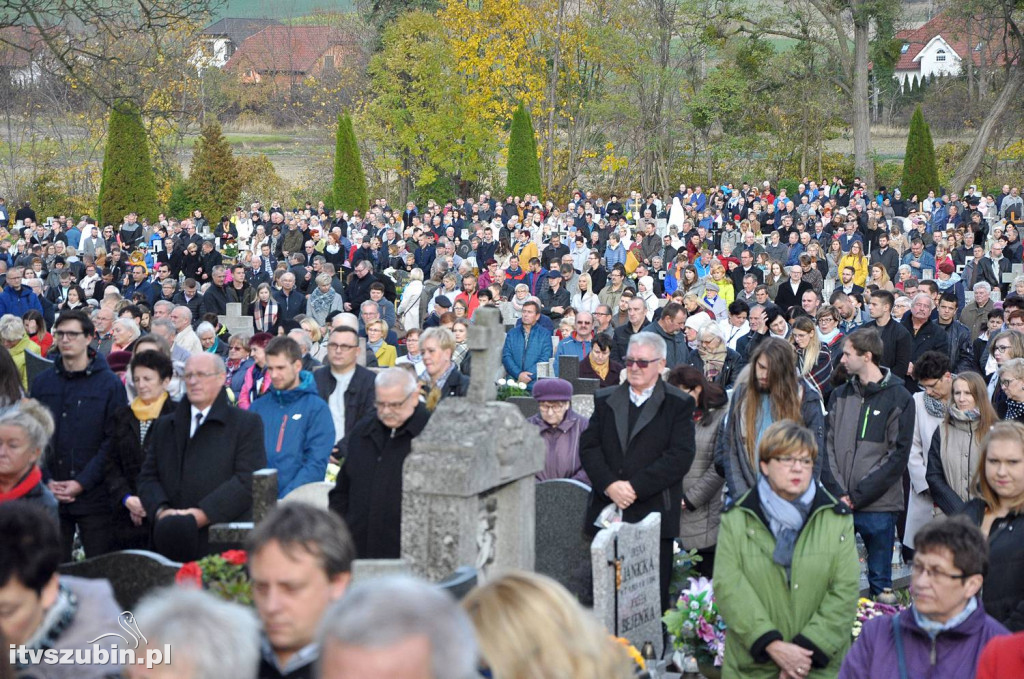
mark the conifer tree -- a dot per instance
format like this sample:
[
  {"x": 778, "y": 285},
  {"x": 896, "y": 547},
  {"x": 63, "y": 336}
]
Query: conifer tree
[
  {"x": 349, "y": 187},
  {"x": 920, "y": 173},
  {"x": 127, "y": 183},
  {"x": 523, "y": 166},
  {"x": 214, "y": 183}
]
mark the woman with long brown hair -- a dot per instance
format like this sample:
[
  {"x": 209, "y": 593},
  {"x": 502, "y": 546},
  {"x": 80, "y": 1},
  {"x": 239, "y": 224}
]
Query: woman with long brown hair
[
  {"x": 813, "y": 357},
  {"x": 768, "y": 390},
  {"x": 956, "y": 444}
]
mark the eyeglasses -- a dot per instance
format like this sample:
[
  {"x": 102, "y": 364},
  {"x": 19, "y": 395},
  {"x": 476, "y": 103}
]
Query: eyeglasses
[
  {"x": 189, "y": 377},
  {"x": 791, "y": 462},
  {"x": 999, "y": 348},
  {"x": 551, "y": 406},
  {"x": 67, "y": 334},
  {"x": 639, "y": 362},
  {"x": 385, "y": 405},
  {"x": 1005, "y": 383},
  {"x": 917, "y": 570}
]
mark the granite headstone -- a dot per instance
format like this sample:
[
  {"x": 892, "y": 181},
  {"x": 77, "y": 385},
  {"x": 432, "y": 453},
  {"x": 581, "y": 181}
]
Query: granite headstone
[{"x": 562, "y": 548}]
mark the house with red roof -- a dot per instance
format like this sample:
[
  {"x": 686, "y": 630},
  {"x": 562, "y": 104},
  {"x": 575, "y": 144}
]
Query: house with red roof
[
  {"x": 22, "y": 51},
  {"x": 286, "y": 55},
  {"x": 943, "y": 45}
]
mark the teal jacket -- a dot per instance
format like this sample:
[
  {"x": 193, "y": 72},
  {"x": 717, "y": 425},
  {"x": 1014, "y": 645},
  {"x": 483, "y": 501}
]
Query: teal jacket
[
  {"x": 298, "y": 432},
  {"x": 815, "y": 608}
]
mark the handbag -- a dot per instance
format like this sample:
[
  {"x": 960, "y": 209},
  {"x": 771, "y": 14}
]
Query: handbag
[{"x": 631, "y": 262}]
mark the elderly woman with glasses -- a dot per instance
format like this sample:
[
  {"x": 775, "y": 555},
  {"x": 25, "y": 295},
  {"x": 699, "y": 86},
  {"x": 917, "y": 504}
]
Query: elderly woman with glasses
[
  {"x": 1004, "y": 346},
  {"x": 1011, "y": 382},
  {"x": 784, "y": 619},
  {"x": 560, "y": 429}
]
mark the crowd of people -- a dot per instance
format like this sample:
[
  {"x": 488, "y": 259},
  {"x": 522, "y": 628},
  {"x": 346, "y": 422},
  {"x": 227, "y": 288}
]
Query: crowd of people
[{"x": 780, "y": 375}]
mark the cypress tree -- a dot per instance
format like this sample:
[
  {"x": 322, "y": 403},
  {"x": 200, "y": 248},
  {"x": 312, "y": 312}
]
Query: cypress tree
[
  {"x": 213, "y": 180},
  {"x": 127, "y": 183},
  {"x": 920, "y": 174},
  {"x": 523, "y": 166},
  {"x": 349, "y": 187}
]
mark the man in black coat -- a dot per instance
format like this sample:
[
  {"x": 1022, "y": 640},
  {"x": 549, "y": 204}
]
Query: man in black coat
[
  {"x": 791, "y": 292},
  {"x": 639, "y": 445},
  {"x": 368, "y": 495},
  {"x": 897, "y": 342},
  {"x": 926, "y": 334},
  {"x": 358, "y": 288},
  {"x": 354, "y": 401},
  {"x": 198, "y": 470}
]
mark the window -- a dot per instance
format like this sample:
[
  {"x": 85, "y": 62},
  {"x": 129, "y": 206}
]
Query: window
[
  {"x": 328, "y": 62},
  {"x": 940, "y": 55},
  {"x": 904, "y": 48}
]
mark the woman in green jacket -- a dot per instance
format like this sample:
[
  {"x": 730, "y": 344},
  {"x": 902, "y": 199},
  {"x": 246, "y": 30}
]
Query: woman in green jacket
[{"x": 787, "y": 576}]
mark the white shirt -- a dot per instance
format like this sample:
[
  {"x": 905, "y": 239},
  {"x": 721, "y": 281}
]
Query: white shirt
[
  {"x": 640, "y": 398},
  {"x": 336, "y": 401},
  {"x": 196, "y": 411}
]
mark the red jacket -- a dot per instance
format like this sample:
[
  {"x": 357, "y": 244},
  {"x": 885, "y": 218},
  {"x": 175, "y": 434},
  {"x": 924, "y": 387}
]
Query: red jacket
[{"x": 1003, "y": 658}]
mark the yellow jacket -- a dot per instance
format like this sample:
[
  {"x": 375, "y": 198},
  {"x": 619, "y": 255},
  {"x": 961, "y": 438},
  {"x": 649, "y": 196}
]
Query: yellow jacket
[
  {"x": 860, "y": 268},
  {"x": 386, "y": 356}
]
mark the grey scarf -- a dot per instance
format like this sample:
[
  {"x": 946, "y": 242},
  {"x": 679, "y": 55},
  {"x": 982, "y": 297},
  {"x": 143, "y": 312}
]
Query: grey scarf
[{"x": 785, "y": 519}]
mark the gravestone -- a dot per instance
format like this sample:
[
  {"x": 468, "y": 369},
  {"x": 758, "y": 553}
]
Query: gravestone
[
  {"x": 132, "y": 573},
  {"x": 583, "y": 388},
  {"x": 627, "y": 580},
  {"x": 314, "y": 493},
  {"x": 468, "y": 484},
  {"x": 235, "y": 321},
  {"x": 366, "y": 569},
  {"x": 562, "y": 548},
  {"x": 264, "y": 499}
]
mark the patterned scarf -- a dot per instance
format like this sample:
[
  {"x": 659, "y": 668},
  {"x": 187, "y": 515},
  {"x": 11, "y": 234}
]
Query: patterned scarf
[{"x": 786, "y": 518}]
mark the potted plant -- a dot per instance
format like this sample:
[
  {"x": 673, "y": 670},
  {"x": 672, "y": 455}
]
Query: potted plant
[
  {"x": 509, "y": 388},
  {"x": 697, "y": 628}
]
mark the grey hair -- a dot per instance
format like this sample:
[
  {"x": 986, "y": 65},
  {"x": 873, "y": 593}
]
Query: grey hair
[
  {"x": 303, "y": 338},
  {"x": 369, "y": 303},
  {"x": 165, "y": 323},
  {"x": 323, "y": 279},
  {"x": 12, "y": 328},
  {"x": 416, "y": 274},
  {"x": 983, "y": 285},
  {"x": 164, "y": 304},
  {"x": 931, "y": 302},
  {"x": 204, "y": 327},
  {"x": 386, "y": 610},
  {"x": 219, "y": 269},
  {"x": 218, "y": 639},
  {"x": 34, "y": 419},
  {"x": 650, "y": 340},
  {"x": 395, "y": 377},
  {"x": 130, "y": 325},
  {"x": 186, "y": 309},
  {"x": 711, "y": 329}
]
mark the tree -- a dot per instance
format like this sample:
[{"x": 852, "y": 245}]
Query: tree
[
  {"x": 920, "y": 174},
  {"x": 350, "y": 192},
  {"x": 523, "y": 166},
  {"x": 127, "y": 184},
  {"x": 214, "y": 182}
]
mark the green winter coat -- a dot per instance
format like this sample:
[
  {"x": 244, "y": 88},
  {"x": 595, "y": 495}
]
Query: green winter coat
[{"x": 814, "y": 609}]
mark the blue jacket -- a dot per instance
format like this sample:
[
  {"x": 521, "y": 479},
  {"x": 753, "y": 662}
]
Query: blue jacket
[
  {"x": 146, "y": 288},
  {"x": 82, "y": 405},
  {"x": 299, "y": 433},
  {"x": 17, "y": 303},
  {"x": 518, "y": 355},
  {"x": 613, "y": 256},
  {"x": 571, "y": 346}
]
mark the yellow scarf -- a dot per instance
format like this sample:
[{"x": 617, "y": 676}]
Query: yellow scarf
[
  {"x": 601, "y": 370},
  {"x": 144, "y": 412}
]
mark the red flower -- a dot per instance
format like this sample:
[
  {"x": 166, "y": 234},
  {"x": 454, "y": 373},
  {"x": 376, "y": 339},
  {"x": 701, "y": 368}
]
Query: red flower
[
  {"x": 235, "y": 557},
  {"x": 190, "y": 575}
]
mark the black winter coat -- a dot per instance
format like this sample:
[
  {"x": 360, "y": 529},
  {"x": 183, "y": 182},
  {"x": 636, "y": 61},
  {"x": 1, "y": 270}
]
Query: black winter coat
[
  {"x": 1003, "y": 595},
  {"x": 726, "y": 377},
  {"x": 359, "y": 397},
  {"x": 653, "y": 457},
  {"x": 368, "y": 494},
  {"x": 931, "y": 337}
]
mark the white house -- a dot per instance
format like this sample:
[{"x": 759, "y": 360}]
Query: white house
[{"x": 939, "y": 48}]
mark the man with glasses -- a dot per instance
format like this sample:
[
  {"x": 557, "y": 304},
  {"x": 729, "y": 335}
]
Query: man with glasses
[
  {"x": 868, "y": 438},
  {"x": 639, "y": 445},
  {"x": 368, "y": 494},
  {"x": 975, "y": 313},
  {"x": 199, "y": 469},
  {"x": 670, "y": 328},
  {"x": 991, "y": 268},
  {"x": 578, "y": 344},
  {"x": 612, "y": 293},
  {"x": 944, "y": 631},
  {"x": 82, "y": 393},
  {"x": 926, "y": 335},
  {"x": 345, "y": 386},
  {"x": 603, "y": 321}
]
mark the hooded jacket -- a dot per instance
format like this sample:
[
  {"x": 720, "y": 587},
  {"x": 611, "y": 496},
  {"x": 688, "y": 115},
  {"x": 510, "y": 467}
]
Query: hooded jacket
[
  {"x": 298, "y": 432},
  {"x": 867, "y": 445},
  {"x": 368, "y": 494},
  {"x": 676, "y": 350},
  {"x": 952, "y": 457},
  {"x": 83, "y": 406}
]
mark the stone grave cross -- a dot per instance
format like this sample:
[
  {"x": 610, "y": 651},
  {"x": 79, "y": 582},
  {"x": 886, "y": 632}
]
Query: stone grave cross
[
  {"x": 486, "y": 340},
  {"x": 234, "y": 321}
]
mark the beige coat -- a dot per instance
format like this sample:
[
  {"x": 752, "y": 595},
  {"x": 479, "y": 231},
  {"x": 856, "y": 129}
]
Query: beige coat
[{"x": 702, "y": 489}]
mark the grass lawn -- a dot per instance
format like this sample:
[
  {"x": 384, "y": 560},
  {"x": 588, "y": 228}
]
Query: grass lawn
[{"x": 278, "y": 9}]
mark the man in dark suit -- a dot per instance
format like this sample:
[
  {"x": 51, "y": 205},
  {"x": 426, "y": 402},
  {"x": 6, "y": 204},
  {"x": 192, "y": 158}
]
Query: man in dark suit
[
  {"x": 746, "y": 267},
  {"x": 199, "y": 468},
  {"x": 639, "y": 445},
  {"x": 791, "y": 292},
  {"x": 346, "y": 386}
]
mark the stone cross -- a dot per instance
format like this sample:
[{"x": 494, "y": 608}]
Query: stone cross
[
  {"x": 468, "y": 487},
  {"x": 234, "y": 321},
  {"x": 264, "y": 499},
  {"x": 486, "y": 341}
]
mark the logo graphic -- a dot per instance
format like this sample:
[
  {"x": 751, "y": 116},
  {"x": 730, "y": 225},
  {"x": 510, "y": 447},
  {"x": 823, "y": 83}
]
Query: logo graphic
[{"x": 127, "y": 622}]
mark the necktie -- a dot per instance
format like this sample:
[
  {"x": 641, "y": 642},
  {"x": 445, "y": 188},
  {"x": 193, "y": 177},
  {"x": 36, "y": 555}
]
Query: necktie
[{"x": 199, "y": 421}]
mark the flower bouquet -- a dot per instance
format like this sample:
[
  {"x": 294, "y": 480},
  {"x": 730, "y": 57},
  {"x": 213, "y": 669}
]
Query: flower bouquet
[
  {"x": 867, "y": 609},
  {"x": 509, "y": 388},
  {"x": 696, "y": 626},
  {"x": 331, "y": 476},
  {"x": 223, "y": 574}
]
